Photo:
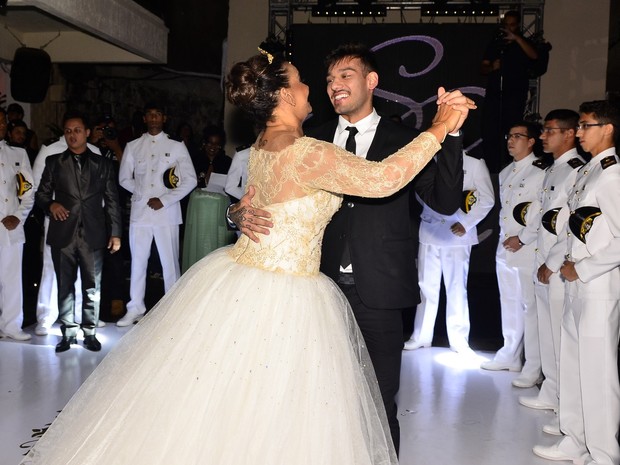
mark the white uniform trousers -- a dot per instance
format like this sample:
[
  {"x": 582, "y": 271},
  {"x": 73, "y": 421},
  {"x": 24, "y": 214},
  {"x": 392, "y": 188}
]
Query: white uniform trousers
[
  {"x": 549, "y": 305},
  {"x": 453, "y": 263},
  {"x": 11, "y": 295},
  {"x": 167, "y": 242},
  {"x": 589, "y": 388},
  {"x": 519, "y": 319},
  {"x": 47, "y": 298}
]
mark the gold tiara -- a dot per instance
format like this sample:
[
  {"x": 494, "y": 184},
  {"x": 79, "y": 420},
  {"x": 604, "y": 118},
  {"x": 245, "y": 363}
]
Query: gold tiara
[{"x": 267, "y": 54}]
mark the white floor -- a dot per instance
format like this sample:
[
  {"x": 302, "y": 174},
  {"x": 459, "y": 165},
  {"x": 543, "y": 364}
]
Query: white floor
[{"x": 451, "y": 412}]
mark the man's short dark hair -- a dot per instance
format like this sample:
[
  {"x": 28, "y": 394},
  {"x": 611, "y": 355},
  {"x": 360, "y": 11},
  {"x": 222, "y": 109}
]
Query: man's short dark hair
[
  {"x": 213, "y": 130},
  {"x": 15, "y": 108},
  {"x": 16, "y": 123},
  {"x": 568, "y": 119},
  {"x": 353, "y": 50},
  {"x": 155, "y": 105},
  {"x": 103, "y": 119},
  {"x": 513, "y": 14},
  {"x": 534, "y": 130},
  {"x": 603, "y": 110},
  {"x": 75, "y": 115}
]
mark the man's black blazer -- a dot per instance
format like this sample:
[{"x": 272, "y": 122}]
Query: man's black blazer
[
  {"x": 91, "y": 196},
  {"x": 383, "y": 251}
]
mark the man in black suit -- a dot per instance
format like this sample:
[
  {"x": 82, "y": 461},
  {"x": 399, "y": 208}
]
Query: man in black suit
[
  {"x": 78, "y": 191},
  {"x": 368, "y": 247}
]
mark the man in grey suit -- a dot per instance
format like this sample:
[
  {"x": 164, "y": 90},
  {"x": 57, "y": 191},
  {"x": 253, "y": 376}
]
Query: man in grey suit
[{"x": 78, "y": 192}]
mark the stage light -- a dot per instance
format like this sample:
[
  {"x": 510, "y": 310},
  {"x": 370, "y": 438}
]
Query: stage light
[
  {"x": 330, "y": 8},
  {"x": 477, "y": 8}
]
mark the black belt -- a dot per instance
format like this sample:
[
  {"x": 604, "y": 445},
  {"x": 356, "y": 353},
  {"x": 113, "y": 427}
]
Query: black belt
[{"x": 346, "y": 278}]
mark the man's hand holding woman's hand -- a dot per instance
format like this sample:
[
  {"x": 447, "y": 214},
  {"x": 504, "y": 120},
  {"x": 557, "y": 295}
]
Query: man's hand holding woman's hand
[{"x": 452, "y": 110}]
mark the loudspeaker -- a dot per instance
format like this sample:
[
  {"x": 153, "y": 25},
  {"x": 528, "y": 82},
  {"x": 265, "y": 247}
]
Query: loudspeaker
[{"x": 30, "y": 75}]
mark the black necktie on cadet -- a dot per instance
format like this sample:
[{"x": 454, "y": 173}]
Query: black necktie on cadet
[{"x": 351, "y": 146}]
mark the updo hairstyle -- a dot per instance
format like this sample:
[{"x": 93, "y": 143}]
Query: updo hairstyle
[{"x": 253, "y": 86}]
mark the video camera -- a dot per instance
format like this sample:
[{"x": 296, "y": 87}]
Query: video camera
[{"x": 110, "y": 133}]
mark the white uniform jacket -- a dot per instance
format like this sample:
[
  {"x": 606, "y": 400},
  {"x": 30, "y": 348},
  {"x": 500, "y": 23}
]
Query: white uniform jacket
[
  {"x": 559, "y": 181},
  {"x": 237, "y": 176},
  {"x": 435, "y": 228},
  {"x": 145, "y": 162},
  {"x": 593, "y": 241},
  {"x": 16, "y": 192},
  {"x": 519, "y": 184}
]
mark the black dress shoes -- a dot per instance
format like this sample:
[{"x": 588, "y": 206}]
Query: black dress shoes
[
  {"x": 91, "y": 343},
  {"x": 65, "y": 343}
]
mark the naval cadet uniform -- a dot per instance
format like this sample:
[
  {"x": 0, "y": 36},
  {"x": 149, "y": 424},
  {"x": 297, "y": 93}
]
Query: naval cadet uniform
[
  {"x": 155, "y": 166},
  {"x": 589, "y": 388},
  {"x": 16, "y": 199},
  {"x": 553, "y": 196},
  {"x": 519, "y": 184},
  {"x": 441, "y": 252}
]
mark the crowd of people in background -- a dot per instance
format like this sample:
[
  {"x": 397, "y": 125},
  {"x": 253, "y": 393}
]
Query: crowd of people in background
[{"x": 159, "y": 220}]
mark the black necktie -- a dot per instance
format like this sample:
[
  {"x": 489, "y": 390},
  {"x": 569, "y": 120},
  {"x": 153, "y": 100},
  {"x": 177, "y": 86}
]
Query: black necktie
[{"x": 350, "y": 145}]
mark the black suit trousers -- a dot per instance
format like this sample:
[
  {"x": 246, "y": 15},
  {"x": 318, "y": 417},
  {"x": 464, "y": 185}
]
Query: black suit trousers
[
  {"x": 382, "y": 330},
  {"x": 77, "y": 255}
]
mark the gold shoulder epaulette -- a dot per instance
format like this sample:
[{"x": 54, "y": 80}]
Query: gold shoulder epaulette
[
  {"x": 576, "y": 162},
  {"x": 608, "y": 161},
  {"x": 540, "y": 163}
]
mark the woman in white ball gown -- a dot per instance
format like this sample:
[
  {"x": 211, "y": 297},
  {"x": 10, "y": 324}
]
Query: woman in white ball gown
[{"x": 253, "y": 357}]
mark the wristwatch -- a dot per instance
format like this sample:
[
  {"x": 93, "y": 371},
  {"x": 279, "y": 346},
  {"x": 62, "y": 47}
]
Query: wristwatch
[{"x": 230, "y": 222}]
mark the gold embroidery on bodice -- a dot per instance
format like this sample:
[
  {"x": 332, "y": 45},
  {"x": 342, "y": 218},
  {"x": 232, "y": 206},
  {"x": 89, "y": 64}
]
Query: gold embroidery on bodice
[{"x": 302, "y": 186}]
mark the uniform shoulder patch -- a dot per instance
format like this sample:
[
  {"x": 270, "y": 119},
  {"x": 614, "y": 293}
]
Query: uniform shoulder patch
[
  {"x": 540, "y": 163},
  {"x": 608, "y": 161},
  {"x": 576, "y": 162}
]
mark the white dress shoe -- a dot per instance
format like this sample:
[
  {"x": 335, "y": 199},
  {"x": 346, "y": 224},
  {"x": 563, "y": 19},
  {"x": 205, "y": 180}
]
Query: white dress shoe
[
  {"x": 17, "y": 335},
  {"x": 553, "y": 428},
  {"x": 463, "y": 350},
  {"x": 413, "y": 345},
  {"x": 41, "y": 329},
  {"x": 129, "y": 319},
  {"x": 523, "y": 382},
  {"x": 535, "y": 403},
  {"x": 101, "y": 324},
  {"x": 492, "y": 365},
  {"x": 551, "y": 453}
]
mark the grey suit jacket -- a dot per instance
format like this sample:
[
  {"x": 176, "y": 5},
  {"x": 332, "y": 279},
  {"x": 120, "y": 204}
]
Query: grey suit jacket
[{"x": 90, "y": 195}]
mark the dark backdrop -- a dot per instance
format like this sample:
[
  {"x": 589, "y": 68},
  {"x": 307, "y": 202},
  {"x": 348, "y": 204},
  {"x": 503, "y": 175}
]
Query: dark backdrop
[{"x": 414, "y": 59}]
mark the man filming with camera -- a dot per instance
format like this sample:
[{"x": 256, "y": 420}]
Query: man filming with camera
[
  {"x": 105, "y": 136},
  {"x": 507, "y": 63}
]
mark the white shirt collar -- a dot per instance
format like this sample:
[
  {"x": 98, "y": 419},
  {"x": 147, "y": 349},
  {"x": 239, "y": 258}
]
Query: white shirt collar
[
  {"x": 605, "y": 153},
  {"x": 362, "y": 125},
  {"x": 525, "y": 161},
  {"x": 566, "y": 156}
]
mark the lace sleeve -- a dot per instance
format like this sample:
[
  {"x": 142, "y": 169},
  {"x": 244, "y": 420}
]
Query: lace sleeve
[{"x": 322, "y": 165}]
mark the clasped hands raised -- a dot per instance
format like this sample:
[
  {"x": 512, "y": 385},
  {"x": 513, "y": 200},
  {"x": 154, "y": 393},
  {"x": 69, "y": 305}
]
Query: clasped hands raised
[{"x": 452, "y": 110}]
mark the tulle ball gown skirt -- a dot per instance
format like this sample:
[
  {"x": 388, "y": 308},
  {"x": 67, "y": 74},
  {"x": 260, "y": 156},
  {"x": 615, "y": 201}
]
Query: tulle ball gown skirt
[{"x": 236, "y": 365}]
